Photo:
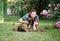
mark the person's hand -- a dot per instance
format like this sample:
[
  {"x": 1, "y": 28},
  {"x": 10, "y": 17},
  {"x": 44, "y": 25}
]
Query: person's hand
[{"x": 35, "y": 22}]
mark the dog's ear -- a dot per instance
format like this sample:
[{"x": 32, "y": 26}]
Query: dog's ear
[{"x": 29, "y": 18}]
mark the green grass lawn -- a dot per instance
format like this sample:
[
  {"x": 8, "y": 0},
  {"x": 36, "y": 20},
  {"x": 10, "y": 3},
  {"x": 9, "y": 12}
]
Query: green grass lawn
[
  {"x": 1, "y": 18},
  {"x": 6, "y": 33},
  {"x": 11, "y": 18}
]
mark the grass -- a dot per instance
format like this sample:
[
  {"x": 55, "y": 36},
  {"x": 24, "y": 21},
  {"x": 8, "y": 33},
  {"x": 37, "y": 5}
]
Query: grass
[
  {"x": 6, "y": 33},
  {"x": 1, "y": 18},
  {"x": 11, "y": 18}
]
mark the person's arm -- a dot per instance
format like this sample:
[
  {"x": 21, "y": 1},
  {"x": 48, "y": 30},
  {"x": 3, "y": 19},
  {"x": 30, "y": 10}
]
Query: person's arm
[
  {"x": 20, "y": 20},
  {"x": 37, "y": 20},
  {"x": 23, "y": 19}
]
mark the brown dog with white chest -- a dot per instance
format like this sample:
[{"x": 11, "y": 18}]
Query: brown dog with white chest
[{"x": 28, "y": 27}]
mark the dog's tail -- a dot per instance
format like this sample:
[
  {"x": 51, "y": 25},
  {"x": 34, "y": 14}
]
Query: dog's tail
[{"x": 13, "y": 25}]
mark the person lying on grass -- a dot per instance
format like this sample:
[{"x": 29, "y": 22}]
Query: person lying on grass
[{"x": 32, "y": 15}]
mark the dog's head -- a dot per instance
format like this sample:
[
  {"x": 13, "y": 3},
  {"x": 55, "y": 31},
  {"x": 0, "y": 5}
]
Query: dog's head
[{"x": 30, "y": 21}]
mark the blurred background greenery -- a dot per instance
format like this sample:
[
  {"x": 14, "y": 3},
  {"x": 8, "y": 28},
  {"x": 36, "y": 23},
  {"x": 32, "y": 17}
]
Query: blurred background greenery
[
  {"x": 1, "y": 15},
  {"x": 19, "y": 8}
]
